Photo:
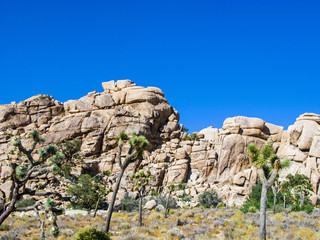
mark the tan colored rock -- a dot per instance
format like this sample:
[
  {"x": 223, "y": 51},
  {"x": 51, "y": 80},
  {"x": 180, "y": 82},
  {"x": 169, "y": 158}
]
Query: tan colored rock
[
  {"x": 92, "y": 143},
  {"x": 246, "y": 122},
  {"x": 251, "y": 132},
  {"x": 124, "y": 83},
  {"x": 64, "y": 130},
  {"x": 42, "y": 120},
  {"x": 144, "y": 95},
  {"x": 177, "y": 174},
  {"x": 302, "y": 133},
  {"x": 7, "y": 188},
  {"x": 210, "y": 134},
  {"x": 272, "y": 129},
  {"x": 84, "y": 104},
  {"x": 310, "y": 117},
  {"x": 107, "y": 86},
  {"x": 199, "y": 164},
  {"x": 90, "y": 124},
  {"x": 6, "y": 172},
  {"x": 291, "y": 152},
  {"x": 315, "y": 199},
  {"x": 239, "y": 179},
  {"x": 180, "y": 153},
  {"x": 104, "y": 101},
  {"x": 315, "y": 147},
  {"x": 150, "y": 205},
  {"x": 230, "y": 128}
]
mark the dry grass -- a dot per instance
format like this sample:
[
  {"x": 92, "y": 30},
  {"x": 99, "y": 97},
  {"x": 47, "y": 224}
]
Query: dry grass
[{"x": 181, "y": 224}]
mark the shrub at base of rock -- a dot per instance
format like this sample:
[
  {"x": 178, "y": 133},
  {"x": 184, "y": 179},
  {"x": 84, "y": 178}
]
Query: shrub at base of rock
[{"x": 209, "y": 199}]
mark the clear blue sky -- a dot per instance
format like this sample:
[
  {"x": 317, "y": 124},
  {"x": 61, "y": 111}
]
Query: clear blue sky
[{"x": 212, "y": 59}]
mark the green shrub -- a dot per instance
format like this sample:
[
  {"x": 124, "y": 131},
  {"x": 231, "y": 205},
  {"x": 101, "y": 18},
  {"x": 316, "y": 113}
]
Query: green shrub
[
  {"x": 43, "y": 96},
  {"x": 254, "y": 198},
  {"x": 162, "y": 200},
  {"x": 4, "y": 227},
  {"x": 22, "y": 203},
  {"x": 192, "y": 137},
  {"x": 185, "y": 197},
  {"x": 252, "y": 209},
  {"x": 91, "y": 234},
  {"x": 129, "y": 204},
  {"x": 308, "y": 208},
  {"x": 209, "y": 199},
  {"x": 87, "y": 191}
]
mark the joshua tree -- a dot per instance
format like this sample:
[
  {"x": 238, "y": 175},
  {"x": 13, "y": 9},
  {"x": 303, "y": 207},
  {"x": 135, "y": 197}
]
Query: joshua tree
[
  {"x": 141, "y": 180},
  {"x": 276, "y": 188},
  {"x": 171, "y": 188},
  {"x": 52, "y": 212},
  {"x": 27, "y": 168},
  {"x": 300, "y": 185},
  {"x": 137, "y": 145},
  {"x": 268, "y": 165}
]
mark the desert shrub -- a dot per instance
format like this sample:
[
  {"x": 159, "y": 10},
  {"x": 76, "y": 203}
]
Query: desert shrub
[
  {"x": 308, "y": 208},
  {"x": 90, "y": 234},
  {"x": 4, "y": 227},
  {"x": 192, "y": 137},
  {"x": 43, "y": 96},
  {"x": 175, "y": 233},
  {"x": 14, "y": 233},
  {"x": 232, "y": 232},
  {"x": 129, "y": 204},
  {"x": 161, "y": 200},
  {"x": 306, "y": 233},
  {"x": 185, "y": 197},
  {"x": 209, "y": 199},
  {"x": 252, "y": 209},
  {"x": 87, "y": 191},
  {"x": 254, "y": 199},
  {"x": 25, "y": 203}
]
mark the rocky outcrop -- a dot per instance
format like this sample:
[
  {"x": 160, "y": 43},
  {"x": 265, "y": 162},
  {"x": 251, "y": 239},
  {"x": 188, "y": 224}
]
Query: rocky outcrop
[{"x": 217, "y": 160}]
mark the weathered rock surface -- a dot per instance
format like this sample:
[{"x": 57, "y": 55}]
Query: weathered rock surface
[
  {"x": 218, "y": 160},
  {"x": 150, "y": 205}
]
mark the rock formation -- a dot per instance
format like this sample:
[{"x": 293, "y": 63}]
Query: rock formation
[{"x": 218, "y": 160}]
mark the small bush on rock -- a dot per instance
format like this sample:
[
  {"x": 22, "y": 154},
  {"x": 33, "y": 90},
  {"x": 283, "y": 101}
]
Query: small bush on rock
[
  {"x": 90, "y": 234},
  {"x": 209, "y": 199}
]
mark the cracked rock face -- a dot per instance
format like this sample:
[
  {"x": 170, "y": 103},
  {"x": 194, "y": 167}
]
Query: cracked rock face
[{"x": 218, "y": 160}]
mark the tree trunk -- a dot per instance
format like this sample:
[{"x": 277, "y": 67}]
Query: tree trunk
[
  {"x": 302, "y": 199},
  {"x": 166, "y": 211},
  {"x": 43, "y": 236},
  {"x": 274, "y": 201},
  {"x": 11, "y": 205},
  {"x": 5, "y": 214},
  {"x": 96, "y": 208},
  {"x": 263, "y": 208},
  {"x": 114, "y": 195},
  {"x": 140, "y": 211},
  {"x": 284, "y": 201}
]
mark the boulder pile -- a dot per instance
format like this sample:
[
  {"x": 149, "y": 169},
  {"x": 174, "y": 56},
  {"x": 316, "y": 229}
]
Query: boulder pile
[{"x": 216, "y": 160}]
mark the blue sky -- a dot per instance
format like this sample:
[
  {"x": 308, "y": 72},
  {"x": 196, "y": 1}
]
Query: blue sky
[{"x": 212, "y": 59}]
